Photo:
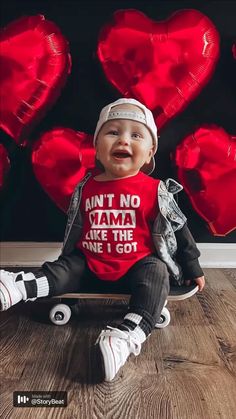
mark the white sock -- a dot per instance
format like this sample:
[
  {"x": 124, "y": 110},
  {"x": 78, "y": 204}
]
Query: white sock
[
  {"x": 136, "y": 318},
  {"x": 140, "y": 334},
  {"x": 20, "y": 285},
  {"x": 41, "y": 283}
]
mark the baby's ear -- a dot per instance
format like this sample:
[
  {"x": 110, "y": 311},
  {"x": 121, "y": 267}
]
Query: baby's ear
[
  {"x": 150, "y": 155},
  {"x": 151, "y": 152}
]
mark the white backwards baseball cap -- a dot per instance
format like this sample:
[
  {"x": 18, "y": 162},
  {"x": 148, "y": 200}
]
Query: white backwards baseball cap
[{"x": 145, "y": 117}]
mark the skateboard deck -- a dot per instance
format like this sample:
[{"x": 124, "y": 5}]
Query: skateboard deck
[
  {"x": 61, "y": 313},
  {"x": 177, "y": 293}
]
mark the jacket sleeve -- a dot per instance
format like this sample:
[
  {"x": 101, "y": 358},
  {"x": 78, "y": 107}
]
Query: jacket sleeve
[{"x": 187, "y": 253}]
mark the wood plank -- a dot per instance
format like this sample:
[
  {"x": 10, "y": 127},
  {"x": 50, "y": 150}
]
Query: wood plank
[
  {"x": 226, "y": 337},
  {"x": 230, "y": 274},
  {"x": 217, "y": 279},
  {"x": 187, "y": 312},
  {"x": 218, "y": 306},
  {"x": 188, "y": 344},
  {"x": 200, "y": 391}
]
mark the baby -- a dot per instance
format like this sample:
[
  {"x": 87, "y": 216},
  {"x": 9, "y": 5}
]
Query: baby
[{"x": 125, "y": 234}]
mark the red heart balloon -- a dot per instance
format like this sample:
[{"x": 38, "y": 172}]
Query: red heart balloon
[
  {"x": 34, "y": 64},
  {"x": 234, "y": 50},
  {"x": 206, "y": 167},
  {"x": 163, "y": 64},
  {"x": 4, "y": 165},
  {"x": 60, "y": 159}
]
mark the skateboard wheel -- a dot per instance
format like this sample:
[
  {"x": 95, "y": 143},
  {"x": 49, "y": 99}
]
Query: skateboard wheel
[
  {"x": 164, "y": 319},
  {"x": 60, "y": 314}
]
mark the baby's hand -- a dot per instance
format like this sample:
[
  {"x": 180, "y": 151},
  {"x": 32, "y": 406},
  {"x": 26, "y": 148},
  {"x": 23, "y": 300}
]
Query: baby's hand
[{"x": 200, "y": 281}]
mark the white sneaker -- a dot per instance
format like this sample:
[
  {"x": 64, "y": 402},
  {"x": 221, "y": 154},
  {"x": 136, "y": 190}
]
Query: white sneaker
[
  {"x": 9, "y": 292},
  {"x": 116, "y": 345}
]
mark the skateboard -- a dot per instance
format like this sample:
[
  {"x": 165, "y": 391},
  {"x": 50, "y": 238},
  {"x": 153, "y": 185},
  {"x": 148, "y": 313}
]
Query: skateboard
[{"x": 60, "y": 313}]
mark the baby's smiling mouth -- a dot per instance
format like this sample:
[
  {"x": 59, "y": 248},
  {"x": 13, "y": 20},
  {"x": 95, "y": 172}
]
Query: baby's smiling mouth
[{"x": 121, "y": 154}]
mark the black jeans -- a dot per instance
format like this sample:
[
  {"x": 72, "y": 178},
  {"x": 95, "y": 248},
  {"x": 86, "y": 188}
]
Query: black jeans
[{"x": 147, "y": 281}]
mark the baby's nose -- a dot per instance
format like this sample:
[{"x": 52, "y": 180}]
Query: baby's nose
[{"x": 124, "y": 139}]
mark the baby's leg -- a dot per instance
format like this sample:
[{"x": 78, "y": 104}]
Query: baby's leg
[
  {"x": 149, "y": 284},
  {"x": 53, "y": 278}
]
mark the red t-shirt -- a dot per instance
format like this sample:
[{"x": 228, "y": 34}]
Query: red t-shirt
[{"x": 118, "y": 217}]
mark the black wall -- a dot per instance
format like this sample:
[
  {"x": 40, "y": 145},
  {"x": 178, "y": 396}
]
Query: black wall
[{"x": 27, "y": 213}]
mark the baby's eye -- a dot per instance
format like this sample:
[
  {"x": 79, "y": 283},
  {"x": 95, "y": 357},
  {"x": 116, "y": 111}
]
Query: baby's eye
[
  {"x": 136, "y": 135},
  {"x": 113, "y": 132}
]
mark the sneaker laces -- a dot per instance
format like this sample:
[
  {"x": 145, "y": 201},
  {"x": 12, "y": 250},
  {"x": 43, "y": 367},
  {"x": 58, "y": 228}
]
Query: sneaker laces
[{"x": 129, "y": 336}]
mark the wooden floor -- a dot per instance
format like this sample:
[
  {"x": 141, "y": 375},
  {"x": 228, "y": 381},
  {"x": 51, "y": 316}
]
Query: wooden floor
[{"x": 185, "y": 371}]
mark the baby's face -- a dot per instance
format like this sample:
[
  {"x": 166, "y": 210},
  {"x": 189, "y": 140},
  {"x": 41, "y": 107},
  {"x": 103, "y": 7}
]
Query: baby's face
[{"x": 123, "y": 146}]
